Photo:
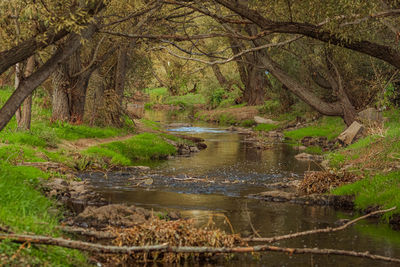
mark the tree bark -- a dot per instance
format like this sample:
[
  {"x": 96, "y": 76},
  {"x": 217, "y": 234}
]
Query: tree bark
[
  {"x": 329, "y": 109},
  {"x": 223, "y": 82},
  {"x": 383, "y": 52},
  {"x": 114, "y": 95},
  {"x": 25, "y": 121},
  {"x": 27, "y": 86},
  {"x": 254, "y": 92},
  {"x": 26, "y": 49}
]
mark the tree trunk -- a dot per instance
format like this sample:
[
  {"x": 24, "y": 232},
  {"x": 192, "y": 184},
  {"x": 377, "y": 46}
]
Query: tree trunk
[
  {"x": 60, "y": 103},
  {"x": 24, "y": 123},
  {"x": 223, "y": 82},
  {"x": 17, "y": 80},
  {"x": 329, "y": 109},
  {"x": 27, "y": 86},
  {"x": 114, "y": 95},
  {"x": 254, "y": 92}
]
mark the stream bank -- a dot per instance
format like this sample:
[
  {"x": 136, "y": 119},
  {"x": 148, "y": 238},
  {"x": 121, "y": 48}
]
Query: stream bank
[{"x": 216, "y": 183}]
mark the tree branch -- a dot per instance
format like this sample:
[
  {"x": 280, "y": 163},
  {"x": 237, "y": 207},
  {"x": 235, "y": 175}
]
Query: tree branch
[{"x": 316, "y": 231}]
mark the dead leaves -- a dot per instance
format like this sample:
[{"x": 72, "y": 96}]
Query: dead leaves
[{"x": 321, "y": 182}]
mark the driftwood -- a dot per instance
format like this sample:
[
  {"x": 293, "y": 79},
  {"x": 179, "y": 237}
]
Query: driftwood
[
  {"x": 97, "y": 248},
  {"x": 315, "y": 231}
]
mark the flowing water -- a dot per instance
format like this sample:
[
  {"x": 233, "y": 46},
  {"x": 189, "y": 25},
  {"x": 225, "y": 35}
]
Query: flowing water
[{"x": 230, "y": 169}]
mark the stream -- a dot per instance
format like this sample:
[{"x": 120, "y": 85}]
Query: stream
[{"x": 237, "y": 169}]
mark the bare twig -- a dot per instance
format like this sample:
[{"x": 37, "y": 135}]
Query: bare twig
[
  {"x": 234, "y": 56},
  {"x": 87, "y": 232},
  {"x": 316, "y": 231}
]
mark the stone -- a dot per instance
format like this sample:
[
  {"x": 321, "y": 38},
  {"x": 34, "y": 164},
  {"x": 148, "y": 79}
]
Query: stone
[
  {"x": 309, "y": 157},
  {"x": 370, "y": 116},
  {"x": 194, "y": 149},
  {"x": 259, "y": 120},
  {"x": 349, "y": 135},
  {"x": 302, "y": 148}
]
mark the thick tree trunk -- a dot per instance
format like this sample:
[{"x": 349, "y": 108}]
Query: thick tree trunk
[
  {"x": 60, "y": 102},
  {"x": 24, "y": 123},
  {"x": 254, "y": 92},
  {"x": 114, "y": 95},
  {"x": 27, "y": 86}
]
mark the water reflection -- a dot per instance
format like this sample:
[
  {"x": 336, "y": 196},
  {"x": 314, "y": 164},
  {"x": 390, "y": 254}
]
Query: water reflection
[{"x": 246, "y": 170}]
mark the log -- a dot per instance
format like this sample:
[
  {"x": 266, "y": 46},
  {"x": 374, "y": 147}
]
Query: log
[{"x": 97, "y": 248}]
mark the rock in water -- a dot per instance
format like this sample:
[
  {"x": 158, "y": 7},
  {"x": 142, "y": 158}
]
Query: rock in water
[
  {"x": 259, "y": 120},
  {"x": 349, "y": 135}
]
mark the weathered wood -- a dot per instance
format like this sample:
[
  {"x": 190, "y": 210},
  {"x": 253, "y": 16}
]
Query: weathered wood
[{"x": 97, "y": 248}]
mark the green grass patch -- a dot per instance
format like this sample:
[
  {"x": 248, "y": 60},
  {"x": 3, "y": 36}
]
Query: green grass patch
[
  {"x": 378, "y": 190},
  {"x": 316, "y": 150},
  {"x": 247, "y": 123},
  {"x": 265, "y": 127},
  {"x": 24, "y": 209},
  {"x": 329, "y": 127},
  {"x": 156, "y": 126},
  {"x": 142, "y": 147}
]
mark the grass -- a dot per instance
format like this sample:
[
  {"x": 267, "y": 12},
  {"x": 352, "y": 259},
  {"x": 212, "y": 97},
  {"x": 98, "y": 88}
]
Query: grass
[
  {"x": 378, "y": 190},
  {"x": 24, "y": 209},
  {"x": 329, "y": 127},
  {"x": 376, "y": 158},
  {"x": 156, "y": 126},
  {"x": 142, "y": 147},
  {"x": 265, "y": 127}
]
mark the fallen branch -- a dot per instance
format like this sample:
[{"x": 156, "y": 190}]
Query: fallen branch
[
  {"x": 91, "y": 247},
  {"x": 315, "y": 231},
  {"x": 87, "y": 232}
]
